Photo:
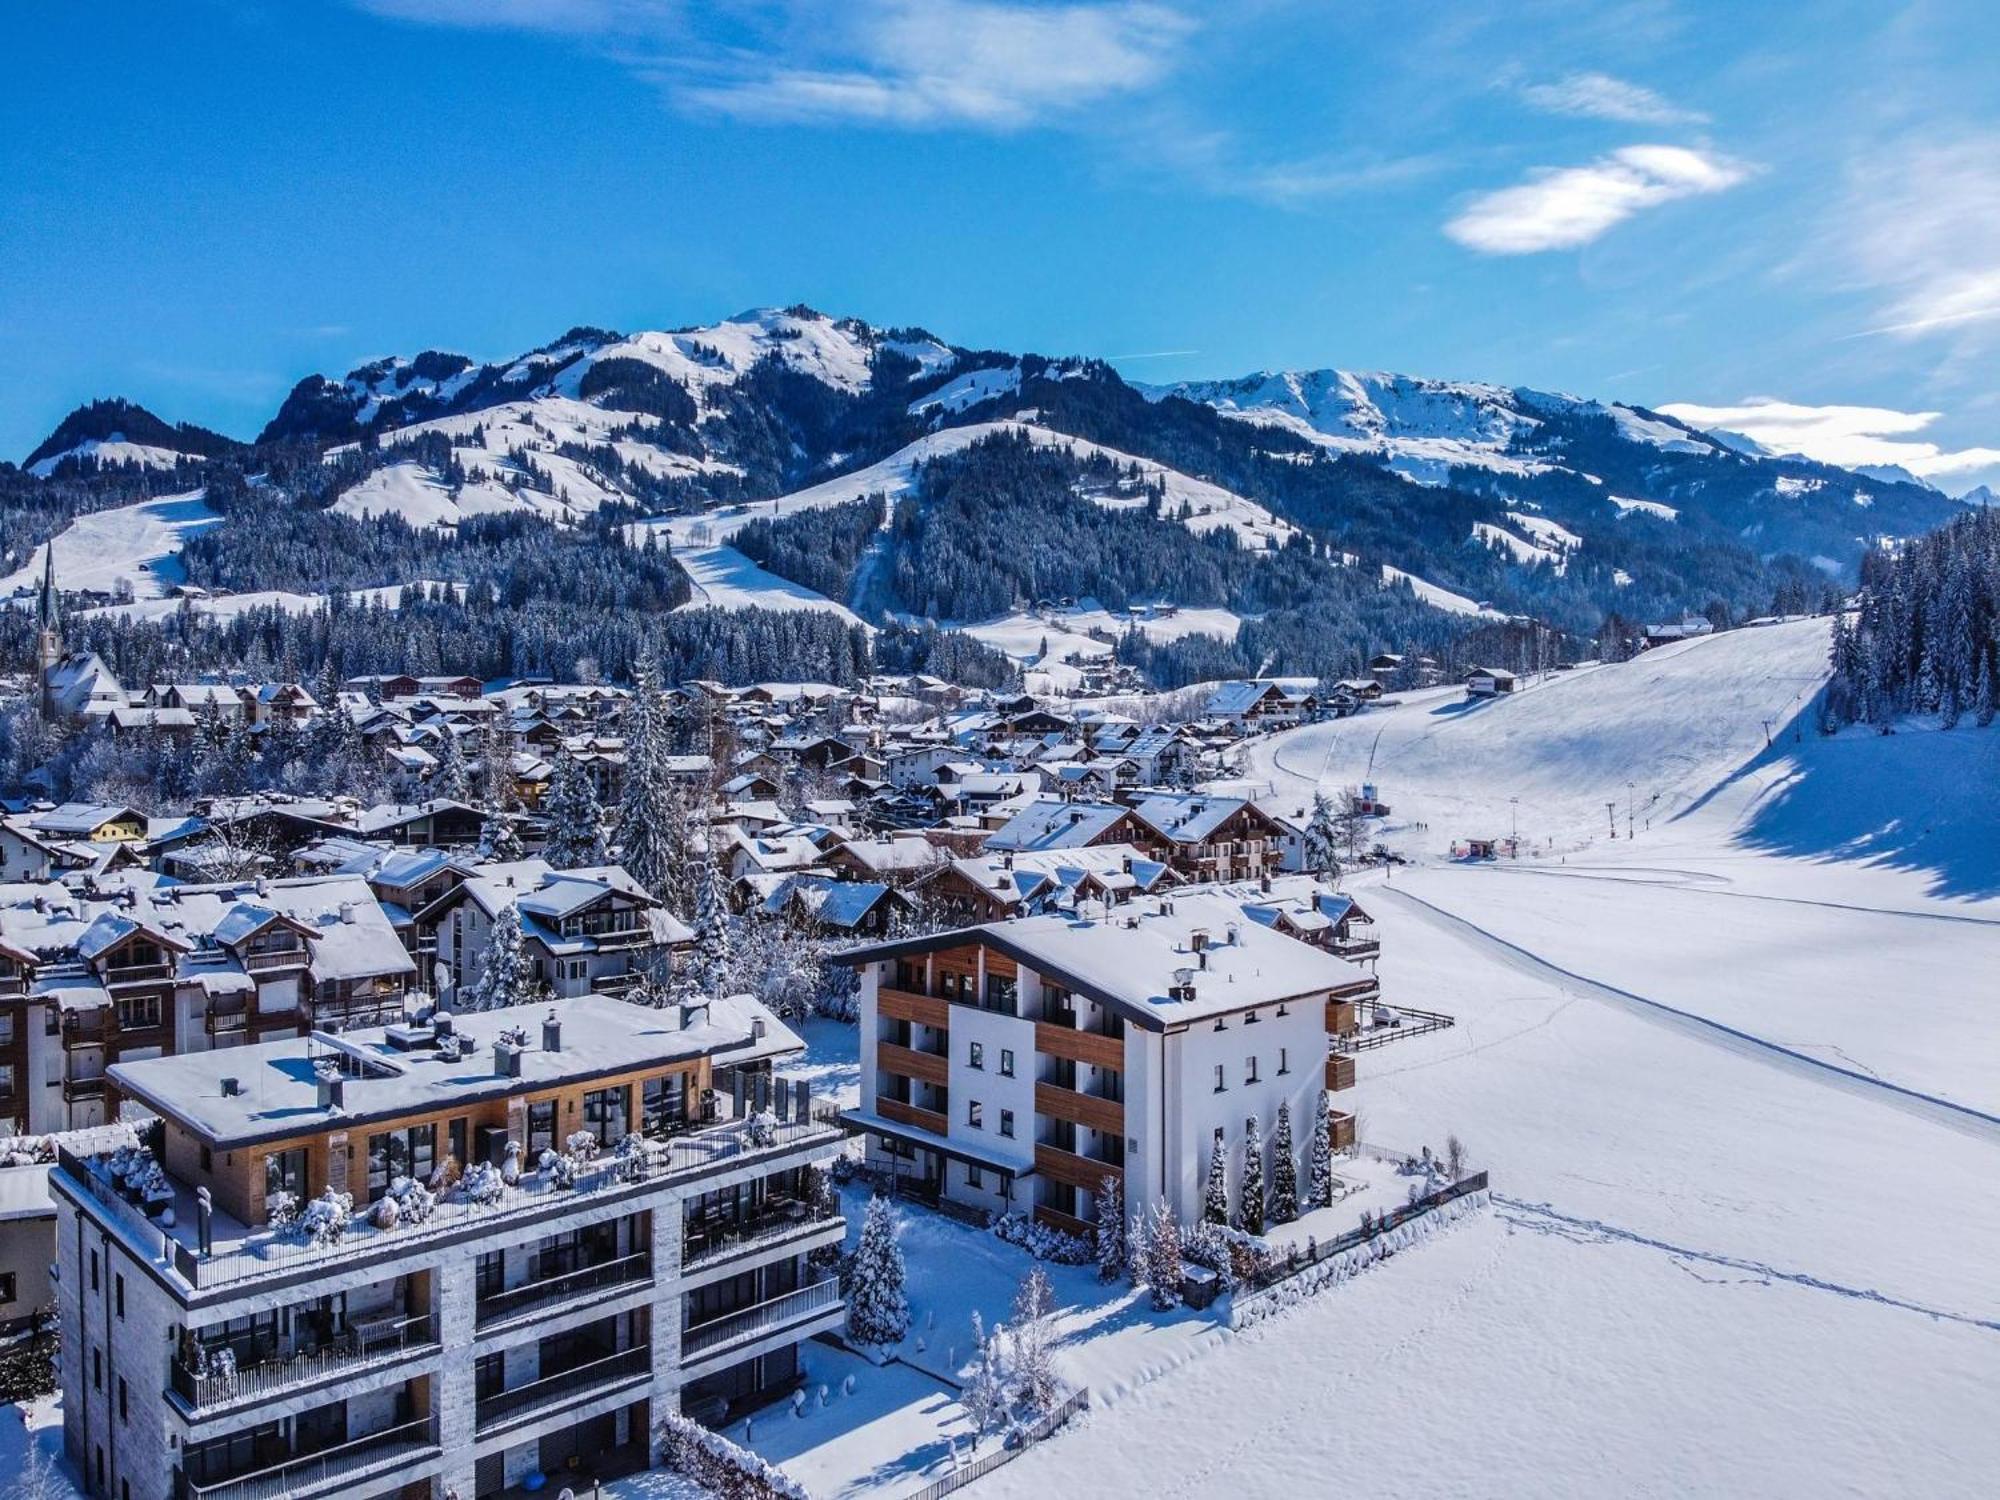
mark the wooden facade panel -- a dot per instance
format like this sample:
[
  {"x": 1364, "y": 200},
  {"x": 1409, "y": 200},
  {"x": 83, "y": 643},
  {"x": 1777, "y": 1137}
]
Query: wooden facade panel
[
  {"x": 903, "y": 1005},
  {"x": 1055, "y": 1218},
  {"x": 1080, "y": 1109},
  {"x": 1079, "y": 1046},
  {"x": 1339, "y": 1072},
  {"x": 1340, "y": 1130},
  {"x": 909, "y": 1114},
  {"x": 1341, "y": 1018},
  {"x": 1079, "y": 1172},
  {"x": 927, "y": 1067}
]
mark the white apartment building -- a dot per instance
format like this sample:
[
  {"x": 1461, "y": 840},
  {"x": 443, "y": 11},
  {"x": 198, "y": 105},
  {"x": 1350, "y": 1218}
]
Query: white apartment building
[
  {"x": 523, "y": 1326},
  {"x": 1016, "y": 1065}
]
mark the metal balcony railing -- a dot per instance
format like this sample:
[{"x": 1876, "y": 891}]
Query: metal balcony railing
[
  {"x": 765, "y": 1317},
  {"x": 552, "y": 1290}
]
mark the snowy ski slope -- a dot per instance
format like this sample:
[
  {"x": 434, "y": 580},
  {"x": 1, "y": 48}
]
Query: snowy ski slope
[{"x": 139, "y": 544}]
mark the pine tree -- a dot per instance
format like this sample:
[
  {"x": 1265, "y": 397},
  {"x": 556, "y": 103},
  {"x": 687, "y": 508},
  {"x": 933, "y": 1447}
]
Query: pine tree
[
  {"x": 1319, "y": 1190},
  {"x": 504, "y": 979},
  {"x": 1163, "y": 1258},
  {"x": 1110, "y": 1229},
  {"x": 652, "y": 822},
  {"x": 1138, "y": 1248},
  {"x": 576, "y": 822},
  {"x": 449, "y": 780},
  {"x": 1284, "y": 1170},
  {"x": 1252, "y": 1215},
  {"x": 1322, "y": 841},
  {"x": 878, "y": 1312},
  {"x": 713, "y": 958},
  {"x": 1215, "y": 1200}
]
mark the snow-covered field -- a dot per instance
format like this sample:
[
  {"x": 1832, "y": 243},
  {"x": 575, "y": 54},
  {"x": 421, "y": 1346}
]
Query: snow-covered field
[
  {"x": 1439, "y": 597},
  {"x": 724, "y": 578},
  {"x": 139, "y": 544},
  {"x": 229, "y": 606}
]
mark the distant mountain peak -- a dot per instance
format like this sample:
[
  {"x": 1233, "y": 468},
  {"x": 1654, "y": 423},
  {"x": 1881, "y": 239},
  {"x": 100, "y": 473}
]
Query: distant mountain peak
[{"x": 119, "y": 431}]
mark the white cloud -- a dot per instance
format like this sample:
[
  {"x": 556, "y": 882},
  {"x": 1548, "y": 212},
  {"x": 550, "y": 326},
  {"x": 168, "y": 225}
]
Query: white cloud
[
  {"x": 997, "y": 64},
  {"x": 1599, "y": 96},
  {"x": 1850, "y": 436},
  {"x": 1561, "y": 208},
  {"x": 1920, "y": 225}
]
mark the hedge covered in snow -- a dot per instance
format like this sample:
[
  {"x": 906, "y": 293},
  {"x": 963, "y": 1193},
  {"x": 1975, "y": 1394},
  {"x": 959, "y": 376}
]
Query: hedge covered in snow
[{"x": 720, "y": 1466}]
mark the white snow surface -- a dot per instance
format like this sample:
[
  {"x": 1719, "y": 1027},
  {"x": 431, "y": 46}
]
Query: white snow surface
[
  {"x": 139, "y": 544},
  {"x": 116, "y": 449},
  {"x": 229, "y": 606},
  {"x": 1439, "y": 597},
  {"x": 1652, "y": 508},
  {"x": 724, "y": 578},
  {"x": 1519, "y": 548},
  {"x": 969, "y": 389}
]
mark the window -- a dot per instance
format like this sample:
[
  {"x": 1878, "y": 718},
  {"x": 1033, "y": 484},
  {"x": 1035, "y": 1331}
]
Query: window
[
  {"x": 8, "y": 1289},
  {"x": 6, "y": 1080},
  {"x": 6, "y": 1028},
  {"x": 1000, "y": 993},
  {"x": 124, "y": 1402},
  {"x": 1006, "y": 1062},
  {"x": 97, "y": 1368},
  {"x": 489, "y": 1375},
  {"x": 541, "y": 1127},
  {"x": 93, "y": 1270},
  {"x": 400, "y": 1153},
  {"x": 1219, "y": 1084},
  {"x": 455, "y": 1142},
  {"x": 1250, "y": 1071},
  {"x": 118, "y": 1293},
  {"x": 489, "y": 1273},
  {"x": 664, "y": 1103},
  {"x": 1007, "y": 1123},
  {"x": 284, "y": 1172},
  {"x": 975, "y": 1113},
  {"x": 138, "y": 1012},
  {"x": 973, "y": 1177},
  {"x": 605, "y": 1112},
  {"x": 975, "y": 1054},
  {"x": 1284, "y": 1061}
]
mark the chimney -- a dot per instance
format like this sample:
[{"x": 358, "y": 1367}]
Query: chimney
[
  {"x": 347, "y": 913},
  {"x": 1235, "y": 930},
  {"x": 1127, "y": 864},
  {"x": 441, "y": 1022},
  {"x": 506, "y": 1059},
  {"x": 551, "y": 1033},
  {"x": 1264, "y": 882},
  {"x": 1199, "y": 939},
  {"x": 231, "y": 1088}
]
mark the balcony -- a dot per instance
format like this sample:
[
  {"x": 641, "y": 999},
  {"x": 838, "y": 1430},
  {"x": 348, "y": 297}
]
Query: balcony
[
  {"x": 1085, "y": 1173},
  {"x": 1080, "y": 1046},
  {"x": 330, "y": 1471},
  {"x": 910, "y": 1114},
  {"x": 361, "y": 1346},
  {"x": 1356, "y": 949},
  {"x": 1080, "y": 1108},
  {"x": 75, "y": 1090},
  {"x": 1339, "y": 1072},
  {"x": 616, "y": 984},
  {"x": 910, "y": 1005},
  {"x": 84, "y": 1028},
  {"x": 709, "y": 1241},
  {"x": 753, "y": 1323},
  {"x": 136, "y": 973},
  {"x": 1341, "y": 1019},
  {"x": 551, "y": 1291},
  {"x": 909, "y": 1062},
  {"x": 1340, "y": 1130},
  {"x": 584, "y": 1382},
  {"x": 287, "y": 958}
]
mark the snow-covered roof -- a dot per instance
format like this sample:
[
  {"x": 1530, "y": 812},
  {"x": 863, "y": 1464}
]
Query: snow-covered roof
[
  {"x": 1050, "y": 823},
  {"x": 279, "y": 1094}
]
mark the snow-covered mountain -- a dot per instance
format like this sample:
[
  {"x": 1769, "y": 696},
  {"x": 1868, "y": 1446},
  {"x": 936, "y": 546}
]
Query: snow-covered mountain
[
  {"x": 1424, "y": 428},
  {"x": 119, "y": 432}
]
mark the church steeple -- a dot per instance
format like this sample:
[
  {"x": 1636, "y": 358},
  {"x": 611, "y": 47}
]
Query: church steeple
[{"x": 48, "y": 635}]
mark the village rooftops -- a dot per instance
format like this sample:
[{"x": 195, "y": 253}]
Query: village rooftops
[
  {"x": 1160, "y": 962},
  {"x": 277, "y": 1090},
  {"x": 1050, "y": 823}
]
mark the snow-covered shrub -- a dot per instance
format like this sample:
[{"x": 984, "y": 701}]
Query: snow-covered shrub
[
  {"x": 26, "y": 1151},
  {"x": 582, "y": 1145},
  {"x": 325, "y": 1220},
  {"x": 281, "y": 1209},
  {"x": 482, "y": 1183},
  {"x": 386, "y": 1213},
  {"x": 761, "y": 1129},
  {"x": 510, "y": 1168},
  {"x": 1163, "y": 1258},
  {"x": 1044, "y": 1243},
  {"x": 1206, "y": 1245},
  {"x": 221, "y": 1363},
  {"x": 559, "y": 1168},
  {"x": 414, "y": 1202},
  {"x": 718, "y": 1465}
]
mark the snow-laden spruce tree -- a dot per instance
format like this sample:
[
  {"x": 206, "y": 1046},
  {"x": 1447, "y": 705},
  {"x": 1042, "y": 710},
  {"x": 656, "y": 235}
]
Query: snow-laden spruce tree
[
  {"x": 1284, "y": 1170},
  {"x": 1110, "y": 1229},
  {"x": 1215, "y": 1199},
  {"x": 1138, "y": 1248},
  {"x": 1319, "y": 1187},
  {"x": 499, "y": 839},
  {"x": 505, "y": 978},
  {"x": 651, "y": 831},
  {"x": 1034, "y": 1339},
  {"x": 1252, "y": 1215},
  {"x": 1322, "y": 840},
  {"x": 713, "y": 958},
  {"x": 1163, "y": 1257},
  {"x": 449, "y": 780},
  {"x": 878, "y": 1312},
  {"x": 576, "y": 822}
]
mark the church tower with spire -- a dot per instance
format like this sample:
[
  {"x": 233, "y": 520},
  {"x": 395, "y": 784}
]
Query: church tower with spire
[{"x": 48, "y": 634}]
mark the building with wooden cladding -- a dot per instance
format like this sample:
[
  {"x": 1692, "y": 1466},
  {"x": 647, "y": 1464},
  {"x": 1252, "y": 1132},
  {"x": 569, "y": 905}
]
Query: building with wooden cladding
[
  {"x": 659, "y": 1261},
  {"x": 1014, "y": 1066}
]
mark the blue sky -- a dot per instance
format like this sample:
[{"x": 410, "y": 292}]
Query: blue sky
[{"x": 1784, "y": 216}]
